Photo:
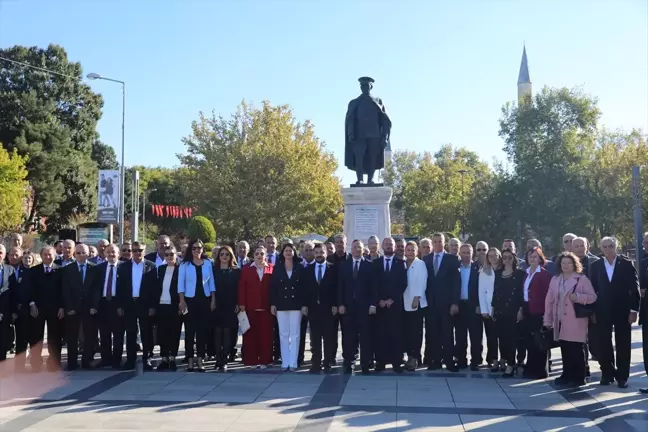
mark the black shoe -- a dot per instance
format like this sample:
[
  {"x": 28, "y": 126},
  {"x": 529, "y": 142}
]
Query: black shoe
[
  {"x": 560, "y": 381},
  {"x": 139, "y": 348},
  {"x": 231, "y": 358},
  {"x": 162, "y": 366},
  {"x": 606, "y": 381},
  {"x": 173, "y": 366},
  {"x": 315, "y": 369},
  {"x": 587, "y": 372},
  {"x": 327, "y": 367},
  {"x": 348, "y": 369},
  {"x": 398, "y": 369},
  {"x": 86, "y": 366},
  {"x": 452, "y": 368},
  {"x": 146, "y": 365},
  {"x": 129, "y": 365},
  {"x": 462, "y": 365},
  {"x": 474, "y": 367},
  {"x": 104, "y": 365},
  {"x": 72, "y": 367},
  {"x": 365, "y": 370},
  {"x": 643, "y": 391},
  {"x": 622, "y": 384},
  {"x": 379, "y": 367},
  {"x": 575, "y": 384}
]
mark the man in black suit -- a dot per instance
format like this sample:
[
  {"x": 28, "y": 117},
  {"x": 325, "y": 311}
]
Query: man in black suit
[
  {"x": 340, "y": 255},
  {"x": 46, "y": 306},
  {"x": 443, "y": 296},
  {"x": 390, "y": 282},
  {"x": 6, "y": 273},
  {"x": 321, "y": 284},
  {"x": 80, "y": 301},
  {"x": 643, "y": 309},
  {"x": 617, "y": 286},
  {"x": 357, "y": 298},
  {"x": 468, "y": 320},
  {"x": 111, "y": 325},
  {"x": 157, "y": 257},
  {"x": 135, "y": 286}
]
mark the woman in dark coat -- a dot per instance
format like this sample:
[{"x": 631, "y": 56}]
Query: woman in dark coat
[
  {"x": 167, "y": 313},
  {"x": 227, "y": 276}
]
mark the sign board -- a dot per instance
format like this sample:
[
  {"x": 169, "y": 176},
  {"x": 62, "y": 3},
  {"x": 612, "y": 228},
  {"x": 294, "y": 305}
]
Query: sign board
[
  {"x": 366, "y": 222},
  {"x": 91, "y": 233},
  {"x": 108, "y": 197}
]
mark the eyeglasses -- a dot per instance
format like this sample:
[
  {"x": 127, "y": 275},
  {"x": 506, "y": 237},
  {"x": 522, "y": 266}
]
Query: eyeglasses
[
  {"x": 126, "y": 250},
  {"x": 224, "y": 254},
  {"x": 138, "y": 250},
  {"x": 196, "y": 248},
  {"x": 480, "y": 250}
]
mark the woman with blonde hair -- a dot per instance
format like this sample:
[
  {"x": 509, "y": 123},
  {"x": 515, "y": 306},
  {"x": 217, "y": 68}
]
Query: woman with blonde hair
[{"x": 486, "y": 287}]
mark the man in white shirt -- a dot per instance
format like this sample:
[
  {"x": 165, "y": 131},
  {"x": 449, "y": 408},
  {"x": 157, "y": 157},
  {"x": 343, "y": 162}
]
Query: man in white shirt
[
  {"x": 111, "y": 327},
  {"x": 468, "y": 320}
]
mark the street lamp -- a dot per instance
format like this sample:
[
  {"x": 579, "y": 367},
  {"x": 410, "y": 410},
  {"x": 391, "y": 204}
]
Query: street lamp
[
  {"x": 95, "y": 76},
  {"x": 463, "y": 206},
  {"x": 146, "y": 192}
]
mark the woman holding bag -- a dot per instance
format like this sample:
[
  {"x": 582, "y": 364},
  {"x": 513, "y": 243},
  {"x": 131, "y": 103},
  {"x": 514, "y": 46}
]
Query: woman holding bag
[{"x": 567, "y": 290}]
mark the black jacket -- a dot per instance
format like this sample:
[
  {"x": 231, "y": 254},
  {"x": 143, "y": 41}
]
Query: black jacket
[
  {"x": 392, "y": 284},
  {"x": 643, "y": 284},
  {"x": 79, "y": 295},
  {"x": 473, "y": 285},
  {"x": 226, "y": 282},
  {"x": 616, "y": 298},
  {"x": 357, "y": 292},
  {"x": 45, "y": 288},
  {"x": 286, "y": 292},
  {"x": 147, "y": 286},
  {"x": 156, "y": 293},
  {"x": 335, "y": 259},
  {"x": 324, "y": 294},
  {"x": 5, "y": 292},
  {"x": 508, "y": 295},
  {"x": 444, "y": 288},
  {"x": 19, "y": 282}
]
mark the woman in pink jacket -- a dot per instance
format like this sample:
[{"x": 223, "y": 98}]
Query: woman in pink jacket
[{"x": 569, "y": 286}]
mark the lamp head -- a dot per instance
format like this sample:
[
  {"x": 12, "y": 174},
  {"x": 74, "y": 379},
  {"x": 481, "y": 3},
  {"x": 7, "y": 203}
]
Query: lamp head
[{"x": 93, "y": 76}]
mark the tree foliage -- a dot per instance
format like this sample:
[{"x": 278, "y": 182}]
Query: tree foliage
[
  {"x": 52, "y": 119},
  {"x": 259, "y": 172},
  {"x": 201, "y": 228},
  {"x": 13, "y": 187}
]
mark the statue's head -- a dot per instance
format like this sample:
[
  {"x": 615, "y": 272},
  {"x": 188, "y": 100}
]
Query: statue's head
[{"x": 366, "y": 84}]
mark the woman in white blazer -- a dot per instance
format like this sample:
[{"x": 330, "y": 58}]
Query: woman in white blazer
[
  {"x": 414, "y": 301},
  {"x": 486, "y": 287}
]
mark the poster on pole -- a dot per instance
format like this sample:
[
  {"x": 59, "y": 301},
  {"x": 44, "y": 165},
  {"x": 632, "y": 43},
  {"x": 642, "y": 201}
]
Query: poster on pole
[{"x": 108, "y": 196}]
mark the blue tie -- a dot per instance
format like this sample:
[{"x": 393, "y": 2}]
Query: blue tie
[{"x": 82, "y": 271}]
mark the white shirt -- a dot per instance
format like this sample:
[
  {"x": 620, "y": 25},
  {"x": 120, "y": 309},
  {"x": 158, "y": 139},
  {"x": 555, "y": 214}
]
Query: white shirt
[
  {"x": 259, "y": 270},
  {"x": 159, "y": 261},
  {"x": 165, "y": 298},
  {"x": 486, "y": 289},
  {"x": 609, "y": 268},
  {"x": 138, "y": 273},
  {"x": 113, "y": 288},
  {"x": 527, "y": 281},
  {"x": 289, "y": 273},
  {"x": 389, "y": 260},
  {"x": 416, "y": 285}
]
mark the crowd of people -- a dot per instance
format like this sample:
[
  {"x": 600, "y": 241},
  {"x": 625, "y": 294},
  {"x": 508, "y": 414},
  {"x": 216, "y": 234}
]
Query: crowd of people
[{"x": 387, "y": 298}]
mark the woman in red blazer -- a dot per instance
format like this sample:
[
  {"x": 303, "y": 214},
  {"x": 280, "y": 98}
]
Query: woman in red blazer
[
  {"x": 254, "y": 299},
  {"x": 536, "y": 287}
]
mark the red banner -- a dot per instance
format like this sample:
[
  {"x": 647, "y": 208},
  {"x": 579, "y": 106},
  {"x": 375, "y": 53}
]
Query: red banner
[{"x": 171, "y": 211}]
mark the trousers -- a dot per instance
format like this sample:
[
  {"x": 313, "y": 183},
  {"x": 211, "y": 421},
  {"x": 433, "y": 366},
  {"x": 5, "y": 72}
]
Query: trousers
[{"x": 289, "y": 334}]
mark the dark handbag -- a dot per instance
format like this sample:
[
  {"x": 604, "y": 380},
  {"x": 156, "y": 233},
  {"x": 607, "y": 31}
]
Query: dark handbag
[
  {"x": 581, "y": 310},
  {"x": 543, "y": 339}
]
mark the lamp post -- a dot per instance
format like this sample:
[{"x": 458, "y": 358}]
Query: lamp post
[
  {"x": 146, "y": 192},
  {"x": 463, "y": 206},
  {"x": 95, "y": 76}
]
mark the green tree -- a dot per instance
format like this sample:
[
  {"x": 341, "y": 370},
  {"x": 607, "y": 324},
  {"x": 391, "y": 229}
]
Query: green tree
[
  {"x": 14, "y": 188},
  {"x": 261, "y": 171},
  {"x": 52, "y": 119},
  {"x": 201, "y": 228},
  {"x": 104, "y": 156}
]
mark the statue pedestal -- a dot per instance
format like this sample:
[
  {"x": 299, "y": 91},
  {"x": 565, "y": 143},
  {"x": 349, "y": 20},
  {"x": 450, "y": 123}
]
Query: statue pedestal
[{"x": 366, "y": 213}]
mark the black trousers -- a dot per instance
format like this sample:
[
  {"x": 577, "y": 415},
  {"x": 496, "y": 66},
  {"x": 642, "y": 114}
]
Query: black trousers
[
  {"x": 4, "y": 335},
  {"x": 644, "y": 339},
  {"x": 169, "y": 324},
  {"x": 622, "y": 342},
  {"x": 466, "y": 322},
  {"x": 21, "y": 325},
  {"x": 522, "y": 329},
  {"x": 302, "y": 338},
  {"x": 413, "y": 332},
  {"x": 136, "y": 312},
  {"x": 321, "y": 334},
  {"x": 537, "y": 365},
  {"x": 197, "y": 322},
  {"x": 111, "y": 332},
  {"x": 492, "y": 353},
  {"x": 439, "y": 335},
  {"x": 54, "y": 335},
  {"x": 73, "y": 323},
  {"x": 592, "y": 344},
  {"x": 233, "y": 340},
  {"x": 507, "y": 338},
  {"x": 573, "y": 361},
  {"x": 388, "y": 326},
  {"x": 222, "y": 344},
  {"x": 357, "y": 329}
]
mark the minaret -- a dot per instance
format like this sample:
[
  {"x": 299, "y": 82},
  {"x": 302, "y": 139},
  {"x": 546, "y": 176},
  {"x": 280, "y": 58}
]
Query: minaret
[{"x": 524, "y": 82}]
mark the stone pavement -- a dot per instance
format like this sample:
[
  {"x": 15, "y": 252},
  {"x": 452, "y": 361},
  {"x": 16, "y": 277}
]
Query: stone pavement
[{"x": 251, "y": 400}]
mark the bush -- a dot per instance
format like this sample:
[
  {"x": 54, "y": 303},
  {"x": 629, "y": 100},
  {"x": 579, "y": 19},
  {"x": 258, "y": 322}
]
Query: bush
[{"x": 201, "y": 228}]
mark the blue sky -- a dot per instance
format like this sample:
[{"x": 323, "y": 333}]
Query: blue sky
[{"x": 443, "y": 68}]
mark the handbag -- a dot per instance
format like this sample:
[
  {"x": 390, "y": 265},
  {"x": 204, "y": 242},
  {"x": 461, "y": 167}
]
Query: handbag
[
  {"x": 543, "y": 339},
  {"x": 581, "y": 310}
]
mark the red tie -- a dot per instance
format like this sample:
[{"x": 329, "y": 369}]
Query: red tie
[{"x": 110, "y": 283}]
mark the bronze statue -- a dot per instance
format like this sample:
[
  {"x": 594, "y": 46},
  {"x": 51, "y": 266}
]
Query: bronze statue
[{"x": 367, "y": 130}]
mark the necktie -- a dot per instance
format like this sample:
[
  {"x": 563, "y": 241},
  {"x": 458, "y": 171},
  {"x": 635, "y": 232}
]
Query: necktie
[
  {"x": 48, "y": 270},
  {"x": 269, "y": 258},
  {"x": 436, "y": 263},
  {"x": 319, "y": 273},
  {"x": 109, "y": 284},
  {"x": 387, "y": 265},
  {"x": 355, "y": 269},
  {"x": 81, "y": 266}
]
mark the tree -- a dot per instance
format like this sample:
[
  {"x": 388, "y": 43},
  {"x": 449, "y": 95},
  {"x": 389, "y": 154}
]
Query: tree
[
  {"x": 201, "y": 228},
  {"x": 104, "y": 156},
  {"x": 14, "y": 189},
  {"x": 402, "y": 161},
  {"x": 261, "y": 172},
  {"x": 52, "y": 119}
]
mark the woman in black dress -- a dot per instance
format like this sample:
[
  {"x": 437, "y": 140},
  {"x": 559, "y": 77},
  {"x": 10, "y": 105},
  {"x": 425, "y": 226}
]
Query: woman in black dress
[
  {"x": 169, "y": 318},
  {"x": 226, "y": 276},
  {"x": 508, "y": 299}
]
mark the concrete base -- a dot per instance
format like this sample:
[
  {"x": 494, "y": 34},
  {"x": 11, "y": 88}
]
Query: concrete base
[{"x": 366, "y": 213}]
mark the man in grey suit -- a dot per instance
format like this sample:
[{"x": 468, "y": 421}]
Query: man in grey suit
[{"x": 242, "y": 251}]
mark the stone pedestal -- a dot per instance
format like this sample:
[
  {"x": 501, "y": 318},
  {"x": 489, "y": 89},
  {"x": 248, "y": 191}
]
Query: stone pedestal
[{"x": 366, "y": 213}]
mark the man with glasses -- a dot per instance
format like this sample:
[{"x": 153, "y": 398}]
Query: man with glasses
[
  {"x": 126, "y": 252},
  {"x": 481, "y": 252},
  {"x": 135, "y": 285},
  {"x": 80, "y": 302},
  {"x": 6, "y": 272},
  {"x": 67, "y": 253},
  {"x": 615, "y": 281}
]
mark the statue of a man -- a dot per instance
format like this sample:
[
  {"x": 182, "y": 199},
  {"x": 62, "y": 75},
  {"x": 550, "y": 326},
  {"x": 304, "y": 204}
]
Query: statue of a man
[{"x": 367, "y": 130}]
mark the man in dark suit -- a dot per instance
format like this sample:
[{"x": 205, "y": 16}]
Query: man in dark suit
[
  {"x": 135, "y": 285},
  {"x": 67, "y": 255},
  {"x": 615, "y": 281},
  {"x": 111, "y": 325},
  {"x": 321, "y": 285},
  {"x": 468, "y": 321},
  {"x": 157, "y": 257},
  {"x": 643, "y": 309},
  {"x": 443, "y": 296},
  {"x": 273, "y": 258},
  {"x": 390, "y": 282},
  {"x": 80, "y": 302},
  {"x": 46, "y": 306},
  {"x": 6, "y": 273},
  {"x": 19, "y": 306},
  {"x": 357, "y": 298},
  {"x": 340, "y": 255}
]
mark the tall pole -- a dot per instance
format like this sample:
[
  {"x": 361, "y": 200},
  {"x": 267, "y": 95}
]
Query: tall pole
[
  {"x": 463, "y": 207},
  {"x": 636, "y": 198},
  {"x": 122, "y": 193}
]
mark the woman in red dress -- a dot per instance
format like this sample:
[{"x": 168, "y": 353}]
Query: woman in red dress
[{"x": 254, "y": 300}]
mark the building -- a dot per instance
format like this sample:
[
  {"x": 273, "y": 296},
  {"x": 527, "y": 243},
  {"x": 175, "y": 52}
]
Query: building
[{"x": 524, "y": 81}]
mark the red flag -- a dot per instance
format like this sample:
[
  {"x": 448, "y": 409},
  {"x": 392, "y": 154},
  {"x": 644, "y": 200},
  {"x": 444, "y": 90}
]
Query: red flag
[
  {"x": 186, "y": 212},
  {"x": 168, "y": 211}
]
